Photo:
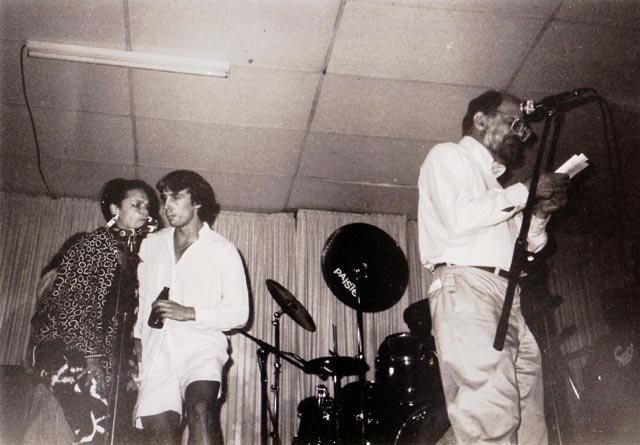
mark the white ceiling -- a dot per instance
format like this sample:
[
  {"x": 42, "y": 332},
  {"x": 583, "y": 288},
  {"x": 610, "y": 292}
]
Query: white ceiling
[{"x": 329, "y": 105}]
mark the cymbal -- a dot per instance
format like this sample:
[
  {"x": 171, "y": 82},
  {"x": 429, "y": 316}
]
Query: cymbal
[
  {"x": 364, "y": 267},
  {"x": 336, "y": 366},
  {"x": 291, "y": 306}
]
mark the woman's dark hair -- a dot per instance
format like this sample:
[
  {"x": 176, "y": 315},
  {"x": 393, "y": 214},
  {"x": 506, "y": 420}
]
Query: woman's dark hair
[
  {"x": 115, "y": 191},
  {"x": 199, "y": 189},
  {"x": 488, "y": 103}
]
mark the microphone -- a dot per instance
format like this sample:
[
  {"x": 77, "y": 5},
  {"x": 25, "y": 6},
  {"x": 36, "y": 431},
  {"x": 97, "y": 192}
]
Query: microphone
[{"x": 553, "y": 102}]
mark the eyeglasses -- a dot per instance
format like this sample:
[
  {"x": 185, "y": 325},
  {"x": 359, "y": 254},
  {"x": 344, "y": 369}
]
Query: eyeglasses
[{"x": 518, "y": 126}]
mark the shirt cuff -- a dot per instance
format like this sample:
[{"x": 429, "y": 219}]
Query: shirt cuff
[
  {"x": 517, "y": 193},
  {"x": 537, "y": 236}
]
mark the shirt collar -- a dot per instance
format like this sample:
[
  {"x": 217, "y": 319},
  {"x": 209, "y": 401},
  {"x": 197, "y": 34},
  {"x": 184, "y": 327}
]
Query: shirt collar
[{"x": 481, "y": 154}]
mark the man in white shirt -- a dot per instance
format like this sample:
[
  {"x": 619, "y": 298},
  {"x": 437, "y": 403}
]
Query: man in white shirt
[
  {"x": 468, "y": 224},
  {"x": 181, "y": 363}
]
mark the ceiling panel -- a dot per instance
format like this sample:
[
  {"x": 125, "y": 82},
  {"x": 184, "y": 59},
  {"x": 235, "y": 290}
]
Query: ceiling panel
[
  {"x": 15, "y": 130},
  {"x": 358, "y": 198},
  {"x": 19, "y": 173},
  {"x": 65, "y": 177},
  {"x": 77, "y": 86},
  {"x": 93, "y": 23},
  {"x": 251, "y": 96},
  {"x": 10, "y": 83},
  {"x": 391, "y": 108},
  {"x": 574, "y": 55},
  {"x": 217, "y": 148},
  {"x": 85, "y": 136},
  {"x": 363, "y": 159},
  {"x": 616, "y": 13},
  {"x": 286, "y": 33},
  {"x": 245, "y": 192},
  {"x": 520, "y": 8},
  {"x": 431, "y": 45}
]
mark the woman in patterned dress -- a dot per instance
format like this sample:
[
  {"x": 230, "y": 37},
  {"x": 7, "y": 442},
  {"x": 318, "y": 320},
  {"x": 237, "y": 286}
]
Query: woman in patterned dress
[{"x": 90, "y": 310}]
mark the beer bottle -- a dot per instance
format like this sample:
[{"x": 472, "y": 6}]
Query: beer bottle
[{"x": 155, "y": 320}]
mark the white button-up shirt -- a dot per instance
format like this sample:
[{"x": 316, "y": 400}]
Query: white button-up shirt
[
  {"x": 209, "y": 277},
  {"x": 465, "y": 216}
]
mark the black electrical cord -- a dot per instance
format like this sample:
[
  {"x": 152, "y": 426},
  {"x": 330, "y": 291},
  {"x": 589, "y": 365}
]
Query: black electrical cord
[{"x": 33, "y": 124}]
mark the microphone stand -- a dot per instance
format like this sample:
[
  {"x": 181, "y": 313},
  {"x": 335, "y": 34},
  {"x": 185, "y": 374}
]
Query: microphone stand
[
  {"x": 121, "y": 322},
  {"x": 134, "y": 239},
  {"x": 520, "y": 255}
]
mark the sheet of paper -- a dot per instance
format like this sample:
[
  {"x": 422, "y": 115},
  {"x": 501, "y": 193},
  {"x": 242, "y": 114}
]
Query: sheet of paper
[{"x": 574, "y": 165}]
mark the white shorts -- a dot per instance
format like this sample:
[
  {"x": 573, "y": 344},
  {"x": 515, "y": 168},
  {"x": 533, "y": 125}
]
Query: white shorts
[{"x": 164, "y": 385}]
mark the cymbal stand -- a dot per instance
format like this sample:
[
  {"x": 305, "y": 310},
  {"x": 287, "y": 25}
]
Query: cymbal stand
[
  {"x": 263, "y": 352},
  {"x": 362, "y": 375},
  {"x": 275, "y": 388}
]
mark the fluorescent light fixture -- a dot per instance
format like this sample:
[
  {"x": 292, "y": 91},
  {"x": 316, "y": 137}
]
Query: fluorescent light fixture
[{"x": 130, "y": 59}]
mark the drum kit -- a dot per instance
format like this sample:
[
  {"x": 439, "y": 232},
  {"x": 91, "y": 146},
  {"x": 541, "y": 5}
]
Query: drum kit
[{"x": 367, "y": 271}]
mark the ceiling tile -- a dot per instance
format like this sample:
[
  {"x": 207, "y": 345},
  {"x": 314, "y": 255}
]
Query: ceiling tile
[
  {"x": 16, "y": 135},
  {"x": 285, "y": 33},
  {"x": 339, "y": 196},
  {"x": 236, "y": 191},
  {"x": 77, "y": 86},
  {"x": 388, "y": 108},
  {"x": 68, "y": 178},
  {"x": 431, "y": 45},
  {"x": 251, "y": 96},
  {"x": 519, "y": 8},
  {"x": 363, "y": 159},
  {"x": 616, "y": 13},
  {"x": 71, "y": 135},
  {"x": 219, "y": 148},
  {"x": 574, "y": 55},
  {"x": 10, "y": 81},
  {"x": 92, "y": 23}
]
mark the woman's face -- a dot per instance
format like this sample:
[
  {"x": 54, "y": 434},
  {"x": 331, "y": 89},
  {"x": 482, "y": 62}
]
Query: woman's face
[{"x": 133, "y": 210}]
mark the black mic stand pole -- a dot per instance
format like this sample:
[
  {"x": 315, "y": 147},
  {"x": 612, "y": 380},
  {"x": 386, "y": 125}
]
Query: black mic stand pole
[
  {"x": 113, "y": 400},
  {"x": 519, "y": 258}
]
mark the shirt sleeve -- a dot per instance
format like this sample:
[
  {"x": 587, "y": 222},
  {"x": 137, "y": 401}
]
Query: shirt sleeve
[
  {"x": 451, "y": 178},
  {"x": 233, "y": 310}
]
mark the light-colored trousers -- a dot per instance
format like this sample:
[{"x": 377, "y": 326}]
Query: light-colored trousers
[{"x": 493, "y": 397}]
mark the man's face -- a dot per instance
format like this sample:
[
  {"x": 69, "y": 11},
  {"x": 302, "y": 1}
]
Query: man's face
[
  {"x": 505, "y": 145},
  {"x": 178, "y": 207}
]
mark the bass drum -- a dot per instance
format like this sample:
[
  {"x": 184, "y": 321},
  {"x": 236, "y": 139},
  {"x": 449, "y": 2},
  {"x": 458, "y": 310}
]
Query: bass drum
[
  {"x": 407, "y": 370},
  {"x": 425, "y": 426}
]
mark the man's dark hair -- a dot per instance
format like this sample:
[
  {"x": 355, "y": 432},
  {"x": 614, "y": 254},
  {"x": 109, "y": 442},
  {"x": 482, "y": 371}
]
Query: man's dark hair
[
  {"x": 115, "y": 191},
  {"x": 488, "y": 102},
  {"x": 199, "y": 189}
]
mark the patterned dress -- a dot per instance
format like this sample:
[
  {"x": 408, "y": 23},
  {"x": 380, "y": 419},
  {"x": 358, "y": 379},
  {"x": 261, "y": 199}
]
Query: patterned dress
[{"x": 78, "y": 319}]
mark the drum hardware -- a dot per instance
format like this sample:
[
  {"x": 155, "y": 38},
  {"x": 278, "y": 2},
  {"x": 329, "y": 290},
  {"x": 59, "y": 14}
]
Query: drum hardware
[
  {"x": 366, "y": 270},
  {"x": 317, "y": 419},
  {"x": 292, "y": 307}
]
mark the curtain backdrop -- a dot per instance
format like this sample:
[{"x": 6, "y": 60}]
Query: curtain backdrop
[
  {"x": 288, "y": 249},
  {"x": 273, "y": 246}
]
